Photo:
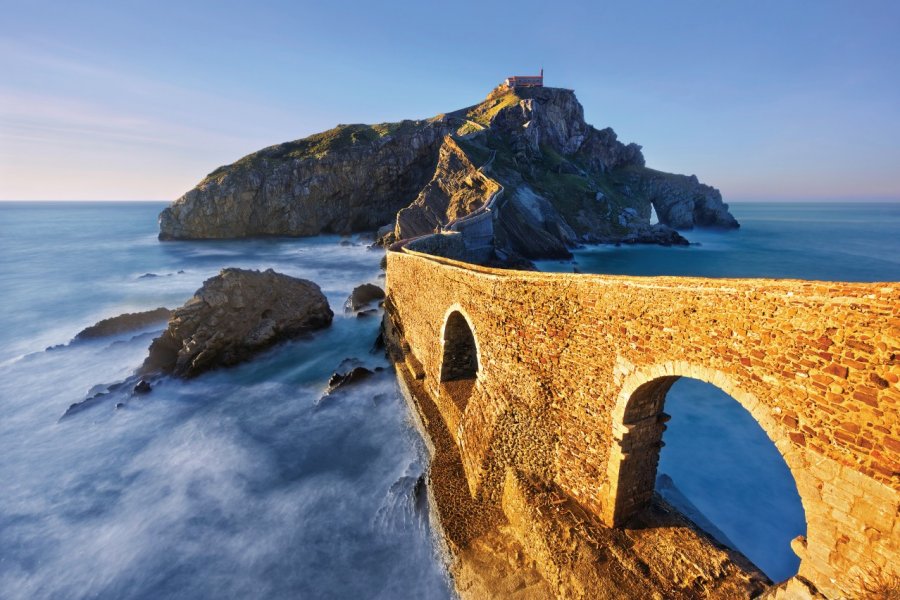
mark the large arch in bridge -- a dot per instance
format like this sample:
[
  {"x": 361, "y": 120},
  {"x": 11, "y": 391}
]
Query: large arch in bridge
[
  {"x": 561, "y": 356},
  {"x": 638, "y": 425}
]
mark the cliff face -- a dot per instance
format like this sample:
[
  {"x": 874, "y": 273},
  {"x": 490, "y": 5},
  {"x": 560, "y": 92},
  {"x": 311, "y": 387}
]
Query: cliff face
[
  {"x": 352, "y": 178},
  {"x": 683, "y": 202},
  {"x": 555, "y": 179},
  {"x": 456, "y": 189},
  {"x": 553, "y": 119}
]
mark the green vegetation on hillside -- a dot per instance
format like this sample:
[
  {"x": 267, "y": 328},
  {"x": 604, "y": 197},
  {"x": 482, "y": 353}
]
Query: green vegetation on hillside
[
  {"x": 321, "y": 144},
  {"x": 570, "y": 185},
  {"x": 484, "y": 112},
  {"x": 478, "y": 153}
]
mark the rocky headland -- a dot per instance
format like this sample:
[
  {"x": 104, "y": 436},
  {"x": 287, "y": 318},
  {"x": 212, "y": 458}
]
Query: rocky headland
[
  {"x": 233, "y": 316},
  {"x": 549, "y": 179}
]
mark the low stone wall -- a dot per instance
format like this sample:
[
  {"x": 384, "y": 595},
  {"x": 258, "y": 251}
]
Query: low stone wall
[{"x": 573, "y": 371}]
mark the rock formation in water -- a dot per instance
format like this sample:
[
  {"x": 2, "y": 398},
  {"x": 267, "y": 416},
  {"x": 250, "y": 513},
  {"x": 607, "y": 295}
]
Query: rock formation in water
[
  {"x": 362, "y": 296},
  {"x": 551, "y": 181},
  {"x": 234, "y": 315},
  {"x": 124, "y": 323}
]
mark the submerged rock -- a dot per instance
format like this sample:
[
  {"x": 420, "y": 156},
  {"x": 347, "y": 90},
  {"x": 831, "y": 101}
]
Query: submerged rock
[
  {"x": 655, "y": 234},
  {"x": 143, "y": 387},
  {"x": 100, "y": 393},
  {"x": 233, "y": 316},
  {"x": 124, "y": 323}
]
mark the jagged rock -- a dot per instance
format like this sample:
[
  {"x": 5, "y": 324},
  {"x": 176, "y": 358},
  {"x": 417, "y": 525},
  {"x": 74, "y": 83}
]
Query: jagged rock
[
  {"x": 455, "y": 190},
  {"x": 384, "y": 237},
  {"x": 234, "y": 315},
  {"x": 530, "y": 226},
  {"x": 682, "y": 202},
  {"x": 124, "y": 323},
  {"x": 563, "y": 182},
  {"x": 666, "y": 488},
  {"x": 362, "y": 295},
  {"x": 548, "y": 116},
  {"x": 354, "y": 375},
  {"x": 660, "y": 234},
  {"x": 378, "y": 345},
  {"x": 554, "y": 118},
  {"x": 143, "y": 387}
]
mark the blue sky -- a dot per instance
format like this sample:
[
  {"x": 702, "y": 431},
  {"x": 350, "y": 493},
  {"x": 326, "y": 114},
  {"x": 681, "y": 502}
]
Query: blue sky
[{"x": 788, "y": 99}]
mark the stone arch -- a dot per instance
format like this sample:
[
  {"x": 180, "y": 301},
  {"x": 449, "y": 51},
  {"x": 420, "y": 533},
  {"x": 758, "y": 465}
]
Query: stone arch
[
  {"x": 460, "y": 357},
  {"x": 638, "y": 425}
]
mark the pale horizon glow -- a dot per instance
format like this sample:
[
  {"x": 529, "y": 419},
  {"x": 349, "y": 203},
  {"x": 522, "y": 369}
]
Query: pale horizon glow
[{"x": 769, "y": 101}]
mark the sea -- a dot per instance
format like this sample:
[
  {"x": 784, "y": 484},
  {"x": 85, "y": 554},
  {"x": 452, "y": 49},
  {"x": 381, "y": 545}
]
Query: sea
[{"x": 252, "y": 482}]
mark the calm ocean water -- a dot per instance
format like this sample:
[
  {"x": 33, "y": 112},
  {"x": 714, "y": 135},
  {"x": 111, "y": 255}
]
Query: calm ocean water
[
  {"x": 843, "y": 242},
  {"x": 242, "y": 483}
]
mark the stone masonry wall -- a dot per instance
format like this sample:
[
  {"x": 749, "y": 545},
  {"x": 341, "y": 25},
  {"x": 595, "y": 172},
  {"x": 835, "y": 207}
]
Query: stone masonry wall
[{"x": 573, "y": 371}]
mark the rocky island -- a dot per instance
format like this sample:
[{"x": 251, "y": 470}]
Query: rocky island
[{"x": 549, "y": 180}]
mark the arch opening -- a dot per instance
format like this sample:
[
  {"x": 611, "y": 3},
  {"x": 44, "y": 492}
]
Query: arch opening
[
  {"x": 711, "y": 459},
  {"x": 459, "y": 365}
]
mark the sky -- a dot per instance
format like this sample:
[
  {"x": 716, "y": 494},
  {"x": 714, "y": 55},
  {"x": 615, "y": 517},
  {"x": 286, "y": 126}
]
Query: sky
[{"x": 766, "y": 100}]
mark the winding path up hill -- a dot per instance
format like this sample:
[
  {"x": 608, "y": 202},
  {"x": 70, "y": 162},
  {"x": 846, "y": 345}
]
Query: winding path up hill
[{"x": 564, "y": 181}]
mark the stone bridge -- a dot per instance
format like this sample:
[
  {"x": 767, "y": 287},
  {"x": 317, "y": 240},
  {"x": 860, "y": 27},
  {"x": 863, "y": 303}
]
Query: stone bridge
[{"x": 564, "y": 377}]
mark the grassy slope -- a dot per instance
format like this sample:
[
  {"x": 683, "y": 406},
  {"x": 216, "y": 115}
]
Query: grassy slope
[
  {"x": 321, "y": 144},
  {"x": 495, "y": 102},
  {"x": 570, "y": 193}
]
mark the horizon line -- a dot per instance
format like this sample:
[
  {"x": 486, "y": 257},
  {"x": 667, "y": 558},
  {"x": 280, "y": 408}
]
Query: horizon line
[{"x": 738, "y": 199}]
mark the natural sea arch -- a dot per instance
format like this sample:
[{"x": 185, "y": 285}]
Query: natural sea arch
[{"x": 689, "y": 433}]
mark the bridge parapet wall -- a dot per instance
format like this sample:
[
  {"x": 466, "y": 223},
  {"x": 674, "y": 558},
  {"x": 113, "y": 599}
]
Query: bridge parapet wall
[{"x": 566, "y": 362}]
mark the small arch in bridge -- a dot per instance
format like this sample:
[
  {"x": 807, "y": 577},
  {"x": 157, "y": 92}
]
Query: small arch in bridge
[{"x": 459, "y": 365}]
